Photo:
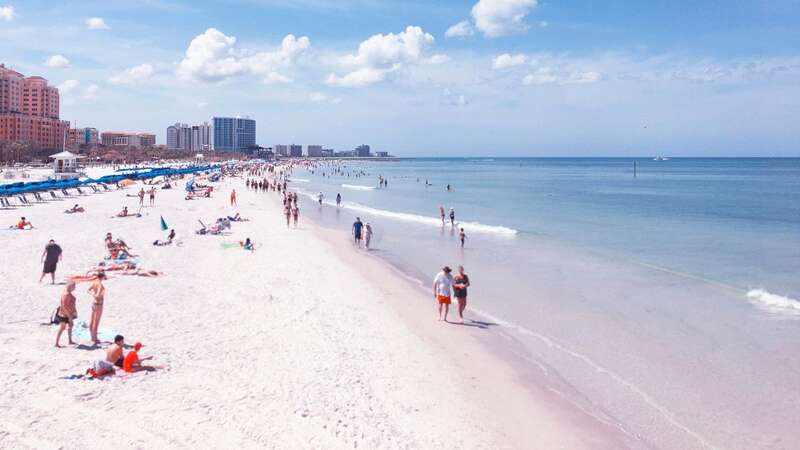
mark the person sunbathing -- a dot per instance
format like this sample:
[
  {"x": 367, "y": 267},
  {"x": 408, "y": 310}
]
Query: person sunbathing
[
  {"x": 23, "y": 222},
  {"x": 75, "y": 209},
  {"x": 142, "y": 273},
  {"x": 237, "y": 218},
  {"x": 124, "y": 212},
  {"x": 169, "y": 240}
]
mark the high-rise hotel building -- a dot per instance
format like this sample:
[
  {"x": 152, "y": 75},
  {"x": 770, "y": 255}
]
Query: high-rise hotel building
[
  {"x": 29, "y": 111},
  {"x": 233, "y": 134}
]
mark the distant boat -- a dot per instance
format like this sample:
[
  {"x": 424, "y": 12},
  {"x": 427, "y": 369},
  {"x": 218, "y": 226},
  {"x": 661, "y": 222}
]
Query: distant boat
[{"x": 660, "y": 158}]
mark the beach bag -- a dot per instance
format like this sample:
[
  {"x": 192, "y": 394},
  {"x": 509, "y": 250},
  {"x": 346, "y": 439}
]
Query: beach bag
[{"x": 54, "y": 319}]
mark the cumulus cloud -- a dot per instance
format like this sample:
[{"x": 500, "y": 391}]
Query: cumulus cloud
[
  {"x": 437, "y": 59},
  {"x": 97, "y": 23},
  {"x": 7, "y": 13},
  {"x": 381, "y": 55},
  {"x": 461, "y": 29},
  {"x": 501, "y": 17},
  {"x": 213, "y": 56},
  {"x": 507, "y": 60},
  {"x": 67, "y": 86},
  {"x": 57, "y": 61},
  {"x": 90, "y": 93},
  {"x": 133, "y": 75}
]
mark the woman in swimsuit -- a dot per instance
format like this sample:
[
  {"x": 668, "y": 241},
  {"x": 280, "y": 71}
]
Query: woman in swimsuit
[{"x": 98, "y": 291}]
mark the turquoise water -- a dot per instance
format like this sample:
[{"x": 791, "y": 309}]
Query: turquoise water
[{"x": 624, "y": 293}]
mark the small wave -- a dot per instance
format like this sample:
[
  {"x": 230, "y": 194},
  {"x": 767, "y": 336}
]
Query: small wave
[
  {"x": 299, "y": 180},
  {"x": 773, "y": 302},
  {"x": 358, "y": 187},
  {"x": 407, "y": 217}
]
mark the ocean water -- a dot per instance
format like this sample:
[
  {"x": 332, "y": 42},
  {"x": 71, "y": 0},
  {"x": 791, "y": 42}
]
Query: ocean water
[{"x": 666, "y": 304}]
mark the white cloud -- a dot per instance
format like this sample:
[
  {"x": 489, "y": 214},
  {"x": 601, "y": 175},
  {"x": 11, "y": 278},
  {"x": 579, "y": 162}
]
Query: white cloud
[
  {"x": 134, "y": 74},
  {"x": 57, "y": 61},
  {"x": 454, "y": 99},
  {"x": 97, "y": 23},
  {"x": 381, "y": 55},
  {"x": 7, "y": 13},
  {"x": 202, "y": 104},
  {"x": 213, "y": 56},
  {"x": 67, "y": 86},
  {"x": 507, "y": 60},
  {"x": 551, "y": 75},
  {"x": 319, "y": 97},
  {"x": 461, "y": 29},
  {"x": 90, "y": 93},
  {"x": 437, "y": 59},
  {"x": 501, "y": 17}
]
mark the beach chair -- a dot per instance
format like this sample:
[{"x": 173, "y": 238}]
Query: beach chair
[
  {"x": 38, "y": 197},
  {"x": 22, "y": 202},
  {"x": 53, "y": 194},
  {"x": 105, "y": 187},
  {"x": 94, "y": 188},
  {"x": 66, "y": 194},
  {"x": 79, "y": 191},
  {"x": 4, "y": 203}
]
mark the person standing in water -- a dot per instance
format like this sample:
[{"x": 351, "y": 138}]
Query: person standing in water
[
  {"x": 50, "y": 258},
  {"x": 320, "y": 196},
  {"x": 452, "y": 217},
  {"x": 460, "y": 285},
  {"x": 98, "y": 292},
  {"x": 338, "y": 200},
  {"x": 462, "y": 236},
  {"x": 441, "y": 213},
  {"x": 367, "y": 235},
  {"x": 66, "y": 313},
  {"x": 442, "y": 287}
]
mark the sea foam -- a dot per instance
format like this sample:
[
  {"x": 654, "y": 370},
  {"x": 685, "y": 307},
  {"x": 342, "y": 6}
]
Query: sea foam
[
  {"x": 358, "y": 187},
  {"x": 773, "y": 302}
]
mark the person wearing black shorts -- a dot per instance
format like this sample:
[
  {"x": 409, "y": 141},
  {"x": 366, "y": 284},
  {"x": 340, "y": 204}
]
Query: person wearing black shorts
[
  {"x": 357, "y": 225},
  {"x": 50, "y": 257},
  {"x": 460, "y": 285}
]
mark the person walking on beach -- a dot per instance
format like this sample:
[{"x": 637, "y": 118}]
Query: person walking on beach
[
  {"x": 141, "y": 198},
  {"x": 287, "y": 211},
  {"x": 460, "y": 285},
  {"x": 442, "y": 287},
  {"x": 233, "y": 198},
  {"x": 367, "y": 235},
  {"x": 66, "y": 313},
  {"x": 295, "y": 214},
  {"x": 50, "y": 257},
  {"x": 461, "y": 237},
  {"x": 338, "y": 200},
  {"x": 319, "y": 198},
  {"x": 152, "y": 193},
  {"x": 357, "y": 225},
  {"x": 98, "y": 292},
  {"x": 452, "y": 217},
  {"x": 441, "y": 213}
]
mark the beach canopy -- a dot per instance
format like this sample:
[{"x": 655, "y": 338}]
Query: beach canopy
[{"x": 65, "y": 155}]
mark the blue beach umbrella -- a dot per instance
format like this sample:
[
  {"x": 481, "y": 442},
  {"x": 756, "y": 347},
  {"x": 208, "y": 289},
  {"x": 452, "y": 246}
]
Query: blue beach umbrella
[{"x": 163, "y": 224}]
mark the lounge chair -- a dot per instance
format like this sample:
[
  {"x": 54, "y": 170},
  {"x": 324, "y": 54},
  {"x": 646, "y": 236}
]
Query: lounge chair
[
  {"x": 105, "y": 186},
  {"x": 4, "y": 204},
  {"x": 94, "y": 188},
  {"x": 53, "y": 194},
  {"x": 79, "y": 191},
  {"x": 66, "y": 194}
]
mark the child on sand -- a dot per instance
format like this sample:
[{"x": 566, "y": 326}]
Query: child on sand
[
  {"x": 23, "y": 222},
  {"x": 132, "y": 362}
]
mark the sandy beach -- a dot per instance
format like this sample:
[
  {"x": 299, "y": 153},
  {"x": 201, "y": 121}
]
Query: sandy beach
[{"x": 304, "y": 343}]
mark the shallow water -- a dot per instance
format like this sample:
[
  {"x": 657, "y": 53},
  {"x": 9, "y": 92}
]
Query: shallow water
[{"x": 664, "y": 303}]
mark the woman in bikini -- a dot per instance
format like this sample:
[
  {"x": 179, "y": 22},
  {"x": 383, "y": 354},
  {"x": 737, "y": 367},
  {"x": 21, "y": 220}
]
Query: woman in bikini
[{"x": 98, "y": 291}]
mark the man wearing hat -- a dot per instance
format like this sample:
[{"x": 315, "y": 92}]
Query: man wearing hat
[{"x": 442, "y": 287}]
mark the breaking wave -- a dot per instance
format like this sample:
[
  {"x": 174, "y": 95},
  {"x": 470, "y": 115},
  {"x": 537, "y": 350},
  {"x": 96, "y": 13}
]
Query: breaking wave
[{"x": 773, "y": 302}]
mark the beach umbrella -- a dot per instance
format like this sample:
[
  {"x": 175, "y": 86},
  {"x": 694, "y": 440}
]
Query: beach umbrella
[{"x": 163, "y": 224}]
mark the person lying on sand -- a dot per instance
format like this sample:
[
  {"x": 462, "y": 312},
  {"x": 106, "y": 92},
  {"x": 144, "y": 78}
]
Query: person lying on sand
[
  {"x": 237, "y": 218},
  {"x": 117, "y": 249},
  {"x": 124, "y": 212},
  {"x": 169, "y": 240},
  {"x": 23, "y": 222},
  {"x": 75, "y": 209},
  {"x": 142, "y": 273},
  {"x": 132, "y": 362}
]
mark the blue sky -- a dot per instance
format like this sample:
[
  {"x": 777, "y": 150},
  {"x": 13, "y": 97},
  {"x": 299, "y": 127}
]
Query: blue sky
[{"x": 480, "y": 77}]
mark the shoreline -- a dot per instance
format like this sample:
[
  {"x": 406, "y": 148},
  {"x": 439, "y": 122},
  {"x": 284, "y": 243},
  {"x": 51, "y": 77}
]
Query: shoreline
[{"x": 292, "y": 344}]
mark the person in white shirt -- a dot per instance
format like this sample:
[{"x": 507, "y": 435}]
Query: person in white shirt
[{"x": 442, "y": 291}]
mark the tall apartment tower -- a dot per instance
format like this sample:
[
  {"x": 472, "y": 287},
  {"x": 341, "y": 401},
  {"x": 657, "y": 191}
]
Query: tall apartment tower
[{"x": 233, "y": 134}]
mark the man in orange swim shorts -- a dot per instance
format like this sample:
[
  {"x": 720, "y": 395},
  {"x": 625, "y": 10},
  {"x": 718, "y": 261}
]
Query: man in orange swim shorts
[{"x": 442, "y": 291}]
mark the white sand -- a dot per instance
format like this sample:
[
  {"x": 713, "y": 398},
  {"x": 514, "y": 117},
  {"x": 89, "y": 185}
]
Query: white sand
[{"x": 287, "y": 347}]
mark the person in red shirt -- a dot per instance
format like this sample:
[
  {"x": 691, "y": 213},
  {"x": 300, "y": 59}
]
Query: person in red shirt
[{"x": 132, "y": 362}]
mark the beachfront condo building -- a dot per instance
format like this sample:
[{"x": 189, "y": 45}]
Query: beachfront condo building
[
  {"x": 281, "y": 150},
  {"x": 29, "y": 111},
  {"x": 314, "y": 151},
  {"x": 233, "y": 134},
  {"x": 295, "y": 150},
  {"x": 362, "y": 151},
  {"x": 83, "y": 136},
  {"x": 118, "y": 139},
  {"x": 191, "y": 138}
]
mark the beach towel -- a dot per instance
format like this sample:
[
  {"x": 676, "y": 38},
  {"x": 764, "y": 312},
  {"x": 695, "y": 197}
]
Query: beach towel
[{"x": 80, "y": 331}]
